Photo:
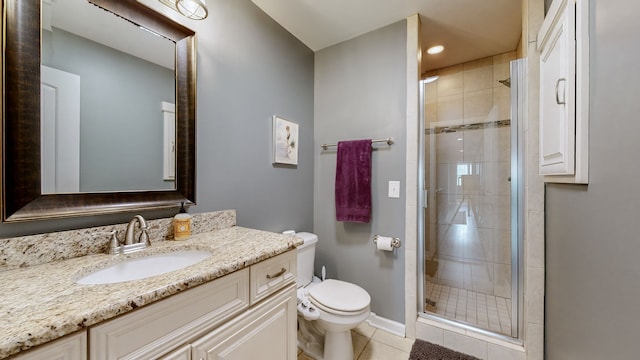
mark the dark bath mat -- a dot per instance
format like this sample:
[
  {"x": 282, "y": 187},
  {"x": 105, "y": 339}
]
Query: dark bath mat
[{"x": 423, "y": 350}]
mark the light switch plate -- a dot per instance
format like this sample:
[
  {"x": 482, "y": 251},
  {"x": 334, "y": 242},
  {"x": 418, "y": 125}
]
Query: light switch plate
[{"x": 394, "y": 189}]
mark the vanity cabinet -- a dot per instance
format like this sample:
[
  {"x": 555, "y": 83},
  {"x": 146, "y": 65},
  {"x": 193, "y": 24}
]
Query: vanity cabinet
[
  {"x": 157, "y": 329},
  {"x": 70, "y": 347},
  {"x": 564, "y": 55},
  {"x": 216, "y": 320}
]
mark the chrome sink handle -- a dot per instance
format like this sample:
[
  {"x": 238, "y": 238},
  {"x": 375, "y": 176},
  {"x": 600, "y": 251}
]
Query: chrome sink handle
[
  {"x": 144, "y": 236},
  {"x": 114, "y": 242}
]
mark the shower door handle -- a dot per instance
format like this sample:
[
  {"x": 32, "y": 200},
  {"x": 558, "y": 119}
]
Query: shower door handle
[
  {"x": 425, "y": 198},
  {"x": 564, "y": 100}
]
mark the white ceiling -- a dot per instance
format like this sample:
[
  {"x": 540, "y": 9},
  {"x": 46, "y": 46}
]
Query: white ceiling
[
  {"x": 89, "y": 21},
  {"x": 469, "y": 29}
]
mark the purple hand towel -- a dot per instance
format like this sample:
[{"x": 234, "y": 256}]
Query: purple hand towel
[{"x": 353, "y": 181}]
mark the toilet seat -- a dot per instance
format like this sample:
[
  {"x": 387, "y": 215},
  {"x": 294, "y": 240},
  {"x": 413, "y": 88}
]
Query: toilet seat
[{"x": 339, "y": 297}]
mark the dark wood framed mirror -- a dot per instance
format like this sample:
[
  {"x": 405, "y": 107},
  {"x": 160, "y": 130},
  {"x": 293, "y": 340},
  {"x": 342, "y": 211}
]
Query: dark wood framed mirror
[{"x": 22, "y": 196}]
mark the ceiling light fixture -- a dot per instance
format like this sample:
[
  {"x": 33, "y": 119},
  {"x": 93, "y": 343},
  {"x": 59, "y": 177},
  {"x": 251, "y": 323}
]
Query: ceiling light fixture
[
  {"x": 435, "y": 50},
  {"x": 430, "y": 79},
  {"x": 193, "y": 9}
]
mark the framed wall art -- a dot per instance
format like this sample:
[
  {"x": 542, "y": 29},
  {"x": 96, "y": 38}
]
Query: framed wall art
[{"x": 285, "y": 141}]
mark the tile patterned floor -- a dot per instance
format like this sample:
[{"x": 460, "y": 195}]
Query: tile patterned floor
[
  {"x": 370, "y": 343},
  {"x": 486, "y": 311}
]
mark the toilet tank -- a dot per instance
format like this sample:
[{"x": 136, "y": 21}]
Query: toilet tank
[{"x": 306, "y": 257}]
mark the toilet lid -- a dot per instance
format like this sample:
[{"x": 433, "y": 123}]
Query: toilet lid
[{"x": 340, "y": 295}]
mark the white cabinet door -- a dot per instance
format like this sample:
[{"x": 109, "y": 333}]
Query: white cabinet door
[
  {"x": 60, "y": 131},
  {"x": 266, "y": 332},
  {"x": 183, "y": 353},
  {"x": 72, "y": 347},
  {"x": 563, "y": 43},
  {"x": 557, "y": 91}
]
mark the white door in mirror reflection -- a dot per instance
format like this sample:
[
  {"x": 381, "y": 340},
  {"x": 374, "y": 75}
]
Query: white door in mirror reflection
[
  {"x": 60, "y": 131},
  {"x": 169, "y": 147}
]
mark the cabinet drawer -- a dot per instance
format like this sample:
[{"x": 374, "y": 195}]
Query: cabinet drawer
[
  {"x": 156, "y": 329},
  {"x": 71, "y": 347},
  {"x": 272, "y": 275}
]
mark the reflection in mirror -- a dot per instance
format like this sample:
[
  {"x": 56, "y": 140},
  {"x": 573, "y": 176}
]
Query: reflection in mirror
[
  {"x": 106, "y": 102},
  {"x": 22, "y": 197}
]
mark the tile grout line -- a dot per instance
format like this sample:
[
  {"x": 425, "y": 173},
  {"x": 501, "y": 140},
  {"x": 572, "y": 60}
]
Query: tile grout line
[{"x": 365, "y": 345}]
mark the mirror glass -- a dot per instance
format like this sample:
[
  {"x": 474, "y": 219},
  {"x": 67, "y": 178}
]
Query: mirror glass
[
  {"x": 107, "y": 128},
  {"x": 107, "y": 102}
]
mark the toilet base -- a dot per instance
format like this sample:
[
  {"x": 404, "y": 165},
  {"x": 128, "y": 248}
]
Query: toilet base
[
  {"x": 338, "y": 345},
  {"x": 310, "y": 338}
]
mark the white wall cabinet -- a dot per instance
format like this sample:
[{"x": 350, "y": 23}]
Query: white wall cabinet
[{"x": 564, "y": 92}]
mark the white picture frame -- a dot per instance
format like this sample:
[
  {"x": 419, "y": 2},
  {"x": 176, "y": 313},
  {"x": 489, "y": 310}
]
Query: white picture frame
[{"x": 285, "y": 141}]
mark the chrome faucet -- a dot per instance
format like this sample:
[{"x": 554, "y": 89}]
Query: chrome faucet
[
  {"x": 129, "y": 244},
  {"x": 144, "y": 236}
]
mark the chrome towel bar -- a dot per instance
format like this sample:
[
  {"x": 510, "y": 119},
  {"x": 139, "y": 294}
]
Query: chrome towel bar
[{"x": 388, "y": 140}]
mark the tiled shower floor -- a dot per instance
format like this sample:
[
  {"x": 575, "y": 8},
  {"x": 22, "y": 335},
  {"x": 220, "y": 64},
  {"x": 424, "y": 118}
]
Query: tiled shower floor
[{"x": 478, "y": 309}]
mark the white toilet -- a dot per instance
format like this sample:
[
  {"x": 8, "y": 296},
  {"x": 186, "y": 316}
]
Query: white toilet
[{"x": 327, "y": 310}]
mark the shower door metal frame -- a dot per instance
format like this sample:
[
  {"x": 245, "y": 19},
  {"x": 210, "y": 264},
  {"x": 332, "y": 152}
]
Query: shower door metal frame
[{"x": 518, "y": 113}]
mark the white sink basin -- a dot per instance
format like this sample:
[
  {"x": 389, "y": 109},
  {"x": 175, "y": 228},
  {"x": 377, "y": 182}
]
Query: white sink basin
[{"x": 140, "y": 268}]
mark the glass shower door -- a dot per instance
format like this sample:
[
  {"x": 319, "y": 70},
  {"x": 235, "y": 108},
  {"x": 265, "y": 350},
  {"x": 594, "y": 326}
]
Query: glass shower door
[{"x": 469, "y": 268}]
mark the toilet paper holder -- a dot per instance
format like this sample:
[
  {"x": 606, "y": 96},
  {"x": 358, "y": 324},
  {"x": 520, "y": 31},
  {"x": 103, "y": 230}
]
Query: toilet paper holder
[{"x": 395, "y": 242}]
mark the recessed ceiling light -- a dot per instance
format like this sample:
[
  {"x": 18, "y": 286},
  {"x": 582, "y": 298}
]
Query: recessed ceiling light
[
  {"x": 430, "y": 79},
  {"x": 435, "y": 50}
]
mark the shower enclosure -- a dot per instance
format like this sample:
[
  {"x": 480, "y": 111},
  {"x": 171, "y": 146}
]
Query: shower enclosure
[{"x": 471, "y": 206}]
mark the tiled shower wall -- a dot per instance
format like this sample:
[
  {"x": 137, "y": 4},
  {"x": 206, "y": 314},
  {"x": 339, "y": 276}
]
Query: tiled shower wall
[{"x": 467, "y": 115}]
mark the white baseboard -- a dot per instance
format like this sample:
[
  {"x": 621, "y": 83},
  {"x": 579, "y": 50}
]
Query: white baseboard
[{"x": 391, "y": 326}]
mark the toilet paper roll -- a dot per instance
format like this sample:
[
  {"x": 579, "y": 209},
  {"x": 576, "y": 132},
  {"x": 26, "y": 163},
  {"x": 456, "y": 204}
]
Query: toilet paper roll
[{"x": 384, "y": 243}]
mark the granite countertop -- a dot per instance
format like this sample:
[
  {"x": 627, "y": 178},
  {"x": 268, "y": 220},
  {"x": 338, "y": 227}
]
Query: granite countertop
[{"x": 42, "y": 303}]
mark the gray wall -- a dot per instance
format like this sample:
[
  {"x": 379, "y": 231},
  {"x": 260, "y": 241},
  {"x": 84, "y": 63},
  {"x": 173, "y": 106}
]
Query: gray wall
[
  {"x": 360, "y": 92},
  {"x": 592, "y": 242},
  {"x": 249, "y": 68},
  {"x": 121, "y": 126}
]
